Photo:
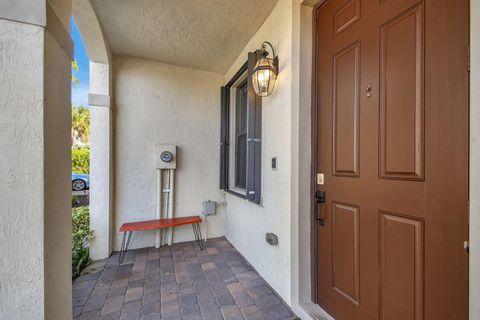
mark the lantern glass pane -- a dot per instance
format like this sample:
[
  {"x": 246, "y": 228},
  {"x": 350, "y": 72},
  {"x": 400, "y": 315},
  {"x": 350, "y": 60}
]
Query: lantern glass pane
[{"x": 264, "y": 77}]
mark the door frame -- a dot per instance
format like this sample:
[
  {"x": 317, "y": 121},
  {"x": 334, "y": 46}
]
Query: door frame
[
  {"x": 314, "y": 148},
  {"x": 474, "y": 174}
]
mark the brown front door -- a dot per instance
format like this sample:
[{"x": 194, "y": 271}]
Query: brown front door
[{"x": 391, "y": 93}]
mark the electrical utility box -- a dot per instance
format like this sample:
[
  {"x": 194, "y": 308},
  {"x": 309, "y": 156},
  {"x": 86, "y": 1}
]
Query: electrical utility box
[
  {"x": 166, "y": 156},
  {"x": 209, "y": 208}
]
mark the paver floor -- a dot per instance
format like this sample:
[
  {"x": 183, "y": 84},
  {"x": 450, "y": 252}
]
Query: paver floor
[{"x": 176, "y": 282}]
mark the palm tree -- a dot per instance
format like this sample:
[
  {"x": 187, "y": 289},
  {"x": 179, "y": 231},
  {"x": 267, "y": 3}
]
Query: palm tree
[
  {"x": 80, "y": 117},
  {"x": 80, "y": 126}
]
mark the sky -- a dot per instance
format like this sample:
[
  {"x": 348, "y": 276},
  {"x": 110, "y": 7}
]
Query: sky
[{"x": 80, "y": 92}]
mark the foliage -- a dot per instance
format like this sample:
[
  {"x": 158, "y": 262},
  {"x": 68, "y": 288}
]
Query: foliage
[
  {"x": 80, "y": 126},
  {"x": 81, "y": 235},
  {"x": 81, "y": 160},
  {"x": 74, "y": 200},
  {"x": 75, "y": 80}
]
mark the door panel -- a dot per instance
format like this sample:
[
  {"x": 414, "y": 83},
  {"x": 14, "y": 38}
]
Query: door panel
[
  {"x": 346, "y": 103},
  {"x": 346, "y": 253},
  {"x": 401, "y": 267},
  {"x": 401, "y": 96},
  {"x": 346, "y": 16},
  {"x": 391, "y": 107}
]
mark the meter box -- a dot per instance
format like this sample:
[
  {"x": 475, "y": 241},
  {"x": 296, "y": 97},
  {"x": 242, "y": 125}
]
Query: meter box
[{"x": 166, "y": 156}]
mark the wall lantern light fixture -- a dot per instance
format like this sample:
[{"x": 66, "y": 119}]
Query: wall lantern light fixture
[{"x": 265, "y": 73}]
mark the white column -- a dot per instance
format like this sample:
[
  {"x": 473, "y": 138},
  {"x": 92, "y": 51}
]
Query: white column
[
  {"x": 35, "y": 165},
  {"x": 101, "y": 175},
  {"x": 475, "y": 160}
]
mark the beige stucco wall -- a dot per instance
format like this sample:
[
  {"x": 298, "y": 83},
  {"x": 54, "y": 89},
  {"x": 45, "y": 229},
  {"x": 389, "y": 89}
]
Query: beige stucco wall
[
  {"x": 57, "y": 182},
  {"x": 161, "y": 103},
  {"x": 57, "y": 167},
  {"x": 21, "y": 170},
  {"x": 246, "y": 222},
  {"x": 35, "y": 213}
]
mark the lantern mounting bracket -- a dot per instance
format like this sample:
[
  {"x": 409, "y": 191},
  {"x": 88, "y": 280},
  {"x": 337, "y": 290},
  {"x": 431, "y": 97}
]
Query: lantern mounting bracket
[{"x": 264, "y": 50}]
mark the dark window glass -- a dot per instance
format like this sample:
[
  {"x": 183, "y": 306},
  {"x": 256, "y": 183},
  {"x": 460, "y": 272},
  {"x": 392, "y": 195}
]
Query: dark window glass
[{"x": 241, "y": 136}]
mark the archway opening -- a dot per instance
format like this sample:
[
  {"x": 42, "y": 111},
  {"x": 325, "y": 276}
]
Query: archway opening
[{"x": 81, "y": 231}]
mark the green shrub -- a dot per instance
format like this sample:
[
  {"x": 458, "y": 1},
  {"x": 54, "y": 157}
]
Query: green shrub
[
  {"x": 74, "y": 200},
  {"x": 81, "y": 235},
  {"x": 81, "y": 160}
]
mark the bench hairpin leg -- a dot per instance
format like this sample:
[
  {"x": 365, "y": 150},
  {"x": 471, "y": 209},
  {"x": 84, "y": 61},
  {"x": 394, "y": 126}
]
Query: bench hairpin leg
[
  {"x": 124, "y": 247},
  {"x": 198, "y": 235},
  {"x": 194, "y": 232}
]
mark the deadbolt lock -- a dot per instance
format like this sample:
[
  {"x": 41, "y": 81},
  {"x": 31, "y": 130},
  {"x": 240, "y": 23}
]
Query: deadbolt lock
[{"x": 369, "y": 90}]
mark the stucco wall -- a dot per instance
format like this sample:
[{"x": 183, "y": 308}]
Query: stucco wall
[
  {"x": 35, "y": 166},
  {"x": 161, "y": 103},
  {"x": 246, "y": 222},
  {"x": 21, "y": 170},
  {"x": 57, "y": 182}
]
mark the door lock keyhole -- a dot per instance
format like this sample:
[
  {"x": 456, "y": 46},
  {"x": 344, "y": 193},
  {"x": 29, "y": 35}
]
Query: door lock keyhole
[{"x": 369, "y": 90}]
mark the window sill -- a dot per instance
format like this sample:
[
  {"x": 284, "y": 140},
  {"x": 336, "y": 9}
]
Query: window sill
[
  {"x": 242, "y": 196},
  {"x": 239, "y": 195}
]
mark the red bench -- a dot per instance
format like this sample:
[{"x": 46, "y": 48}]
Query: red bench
[{"x": 128, "y": 228}]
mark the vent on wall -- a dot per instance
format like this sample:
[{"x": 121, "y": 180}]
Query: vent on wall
[{"x": 271, "y": 238}]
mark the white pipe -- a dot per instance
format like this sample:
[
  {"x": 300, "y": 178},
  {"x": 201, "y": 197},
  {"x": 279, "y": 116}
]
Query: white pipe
[
  {"x": 159, "y": 205},
  {"x": 166, "y": 192},
  {"x": 170, "y": 203},
  {"x": 206, "y": 228}
]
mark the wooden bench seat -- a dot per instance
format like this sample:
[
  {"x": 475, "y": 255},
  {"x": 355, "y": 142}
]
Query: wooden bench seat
[
  {"x": 128, "y": 228},
  {"x": 159, "y": 223}
]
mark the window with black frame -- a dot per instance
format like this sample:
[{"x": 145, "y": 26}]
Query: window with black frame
[
  {"x": 241, "y": 118},
  {"x": 240, "y": 136}
]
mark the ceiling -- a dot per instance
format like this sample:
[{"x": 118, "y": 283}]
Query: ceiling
[{"x": 200, "y": 34}]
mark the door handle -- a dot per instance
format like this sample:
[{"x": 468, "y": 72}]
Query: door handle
[{"x": 320, "y": 198}]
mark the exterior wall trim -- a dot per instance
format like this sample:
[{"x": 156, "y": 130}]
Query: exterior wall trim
[
  {"x": 21, "y": 11},
  {"x": 59, "y": 33},
  {"x": 99, "y": 100}
]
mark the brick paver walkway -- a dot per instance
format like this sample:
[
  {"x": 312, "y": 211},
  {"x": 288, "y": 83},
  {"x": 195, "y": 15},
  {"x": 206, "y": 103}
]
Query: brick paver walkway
[{"x": 176, "y": 282}]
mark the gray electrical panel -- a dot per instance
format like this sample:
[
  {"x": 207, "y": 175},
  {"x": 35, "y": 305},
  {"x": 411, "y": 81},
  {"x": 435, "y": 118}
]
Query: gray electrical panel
[{"x": 209, "y": 208}]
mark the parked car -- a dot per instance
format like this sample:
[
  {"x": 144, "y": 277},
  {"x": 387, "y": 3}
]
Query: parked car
[{"x": 80, "y": 181}]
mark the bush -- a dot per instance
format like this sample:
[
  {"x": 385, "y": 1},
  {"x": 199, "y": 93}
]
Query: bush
[
  {"x": 81, "y": 160},
  {"x": 74, "y": 200},
  {"x": 81, "y": 235}
]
